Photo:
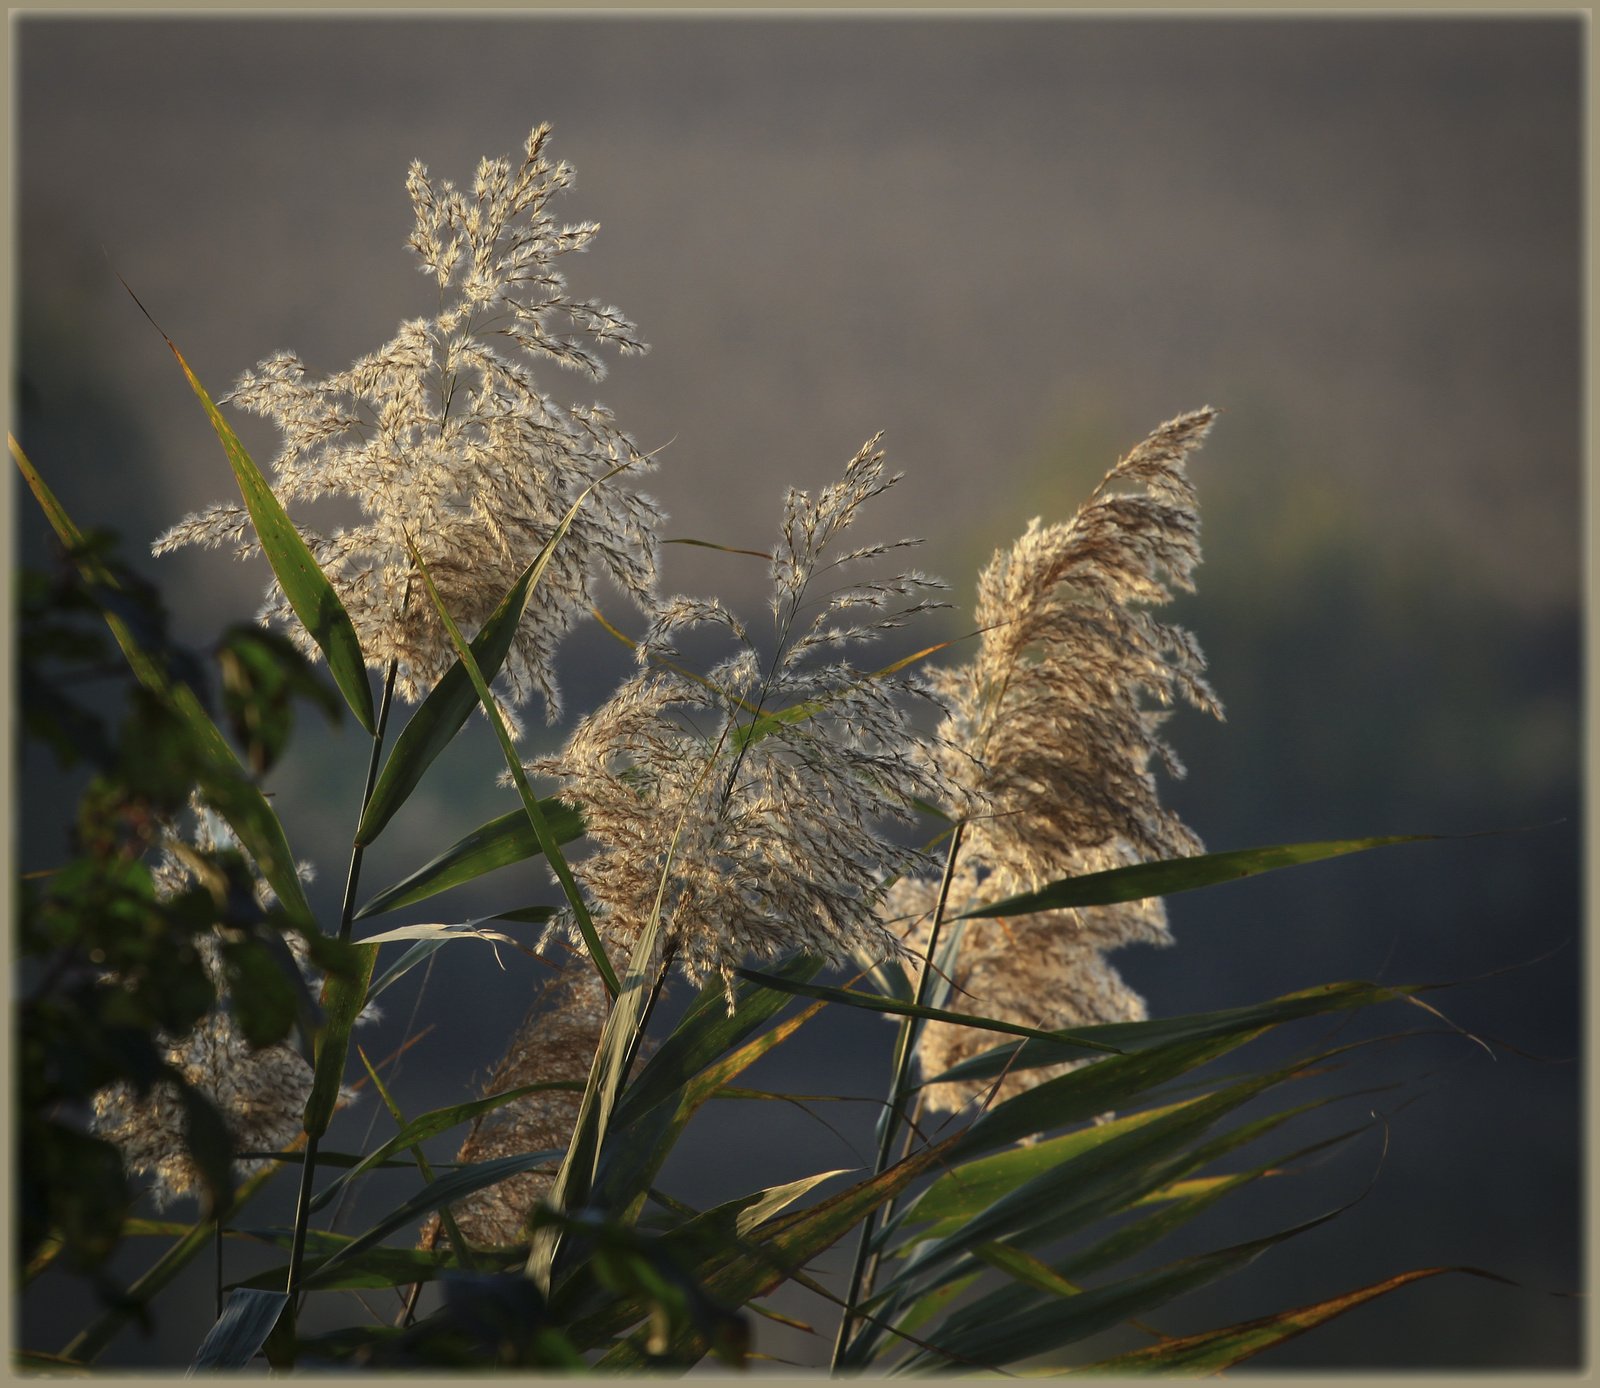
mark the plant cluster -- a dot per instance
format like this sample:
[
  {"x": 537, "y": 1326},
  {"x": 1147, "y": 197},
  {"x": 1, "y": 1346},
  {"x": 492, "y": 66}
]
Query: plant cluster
[{"x": 740, "y": 815}]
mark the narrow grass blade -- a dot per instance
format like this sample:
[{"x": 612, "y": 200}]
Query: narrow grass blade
[
  {"x": 428, "y": 1125},
  {"x": 707, "y": 1031},
  {"x": 1132, "y": 1037},
  {"x": 509, "y": 839},
  {"x": 726, "y": 549},
  {"x": 1055, "y": 1323},
  {"x": 541, "y": 826},
  {"x": 387, "y": 1267},
  {"x": 298, "y": 573},
  {"x": 794, "y": 1242},
  {"x": 1214, "y": 1350},
  {"x": 459, "y": 1184},
  {"x": 242, "y": 1329},
  {"x": 448, "y": 706},
  {"x": 342, "y": 1000},
  {"x": 619, "y": 1040},
  {"x": 1176, "y": 875},
  {"x": 871, "y": 1002},
  {"x": 225, "y": 785}
]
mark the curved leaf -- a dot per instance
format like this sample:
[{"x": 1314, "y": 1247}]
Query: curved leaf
[
  {"x": 871, "y": 1002},
  {"x": 497, "y": 844},
  {"x": 1131, "y": 1037},
  {"x": 241, "y": 1330},
  {"x": 459, "y": 1184},
  {"x": 428, "y": 1125},
  {"x": 298, "y": 573},
  {"x": 224, "y": 784},
  {"x": 343, "y": 997},
  {"x": 541, "y": 827},
  {"x": 446, "y": 709},
  {"x": 1176, "y": 875}
]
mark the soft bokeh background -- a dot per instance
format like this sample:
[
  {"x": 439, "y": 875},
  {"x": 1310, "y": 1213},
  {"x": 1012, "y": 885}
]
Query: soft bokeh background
[{"x": 1015, "y": 246}]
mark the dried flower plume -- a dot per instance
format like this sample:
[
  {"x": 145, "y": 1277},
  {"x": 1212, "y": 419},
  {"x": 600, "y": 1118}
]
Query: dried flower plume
[
  {"x": 1052, "y": 734},
  {"x": 556, "y": 1041},
  {"x": 758, "y": 790},
  {"x": 444, "y": 434},
  {"x": 261, "y": 1094}
]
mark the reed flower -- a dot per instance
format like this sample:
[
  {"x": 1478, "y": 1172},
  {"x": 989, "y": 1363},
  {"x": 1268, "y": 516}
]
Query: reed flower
[
  {"x": 1052, "y": 733},
  {"x": 443, "y": 435},
  {"x": 260, "y": 1093},
  {"x": 556, "y": 1041},
  {"x": 757, "y": 792}
]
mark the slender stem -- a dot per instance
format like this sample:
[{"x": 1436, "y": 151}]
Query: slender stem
[
  {"x": 302, "y": 1215},
  {"x": 219, "y": 1269},
  {"x": 890, "y": 1122},
  {"x": 347, "y": 915}
]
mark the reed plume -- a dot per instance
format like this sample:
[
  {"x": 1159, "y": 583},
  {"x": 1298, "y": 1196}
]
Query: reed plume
[
  {"x": 444, "y": 435},
  {"x": 1052, "y": 735},
  {"x": 757, "y": 791}
]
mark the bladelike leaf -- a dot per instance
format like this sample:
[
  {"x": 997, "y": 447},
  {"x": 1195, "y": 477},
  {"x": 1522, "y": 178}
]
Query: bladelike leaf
[
  {"x": 448, "y": 706},
  {"x": 343, "y": 997},
  {"x": 446, "y": 1190},
  {"x": 1214, "y": 1350},
  {"x": 541, "y": 826},
  {"x": 428, "y": 1125},
  {"x": 223, "y": 782},
  {"x": 242, "y": 1329},
  {"x": 298, "y": 573},
  {"x": 1173, "y": 875},
  {"x": 1132, "y": 1037},
  {"x": 499, "y": 843},
  {"x": 387, "y": 1267},
  {"x": 1078, "y": 1038}
]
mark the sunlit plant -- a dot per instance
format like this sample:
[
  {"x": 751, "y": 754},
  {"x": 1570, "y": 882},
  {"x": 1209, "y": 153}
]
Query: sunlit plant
[{"x": 751, "y": 824}]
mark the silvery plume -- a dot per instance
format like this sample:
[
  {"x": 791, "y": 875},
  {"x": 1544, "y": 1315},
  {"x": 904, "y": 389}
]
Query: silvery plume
[
  {"x": 261, "y": 1094},
  {"x": 1052, "y": 732},
  {"x": 444, "y": 435},
  {"x": 556, "y": 1041},
  {"x": 756, "y": 793}
]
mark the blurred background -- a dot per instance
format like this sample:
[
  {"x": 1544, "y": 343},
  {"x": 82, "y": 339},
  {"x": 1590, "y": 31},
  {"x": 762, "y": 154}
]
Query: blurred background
[{"x": 1015, "y": 246}]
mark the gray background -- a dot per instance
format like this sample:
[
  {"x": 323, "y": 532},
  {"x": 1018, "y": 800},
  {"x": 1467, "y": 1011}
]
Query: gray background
[{"x": 1014, "y": 245}]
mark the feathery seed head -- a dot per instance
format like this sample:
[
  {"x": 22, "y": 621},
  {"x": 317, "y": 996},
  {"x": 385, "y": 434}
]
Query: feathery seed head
[
  {"x": 756, "y": 790},
  {"x": 1050, "y": 738},
  {"x": 443, "y": 434}
]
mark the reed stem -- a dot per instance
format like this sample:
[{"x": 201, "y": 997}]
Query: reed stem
[{"x": 889, "y": 1126}]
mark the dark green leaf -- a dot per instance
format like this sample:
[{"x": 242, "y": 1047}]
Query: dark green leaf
[
  {"x": 541, "y": 826},
  {"x": 499, "y": 843},
  {"x": 223, "y": 783},
  {"x": 302, "y": 580},
  {"x": 342, "y": 1000},
  {"x": 431, "y": 1125},
  {"x": 459, "y": 1184},
  {"x": 871, "y": 1002},
  {"x": 388, "y": 1267},
  {"x": 446, "y": 709},
  {"x": 245, "y": 1323},
  {"x": 1130, "y": 1037},
  {"x": 1176, "y": 875}
]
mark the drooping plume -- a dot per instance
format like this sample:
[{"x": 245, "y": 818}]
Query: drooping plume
[
  {"x": 556, "y": 1041},
  {"x": 260, "y": 1093},
  {"x": 1052, "y": 731},
  {"x": 757, "y": 792},
  {"x": 444, "y": 435}
]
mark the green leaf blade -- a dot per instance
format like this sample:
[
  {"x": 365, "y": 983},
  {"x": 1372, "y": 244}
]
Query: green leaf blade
[
  {"x": 501, "y": 842},
  {"x": 1174, "y": 875},
  {"x": 299, "y": 575}
]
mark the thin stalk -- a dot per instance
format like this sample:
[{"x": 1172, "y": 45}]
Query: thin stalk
[
  {"x": 219, "y": 1269},
  {"x": 904, "y": 1051},
  {"x": 302, "y": 1214}
]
